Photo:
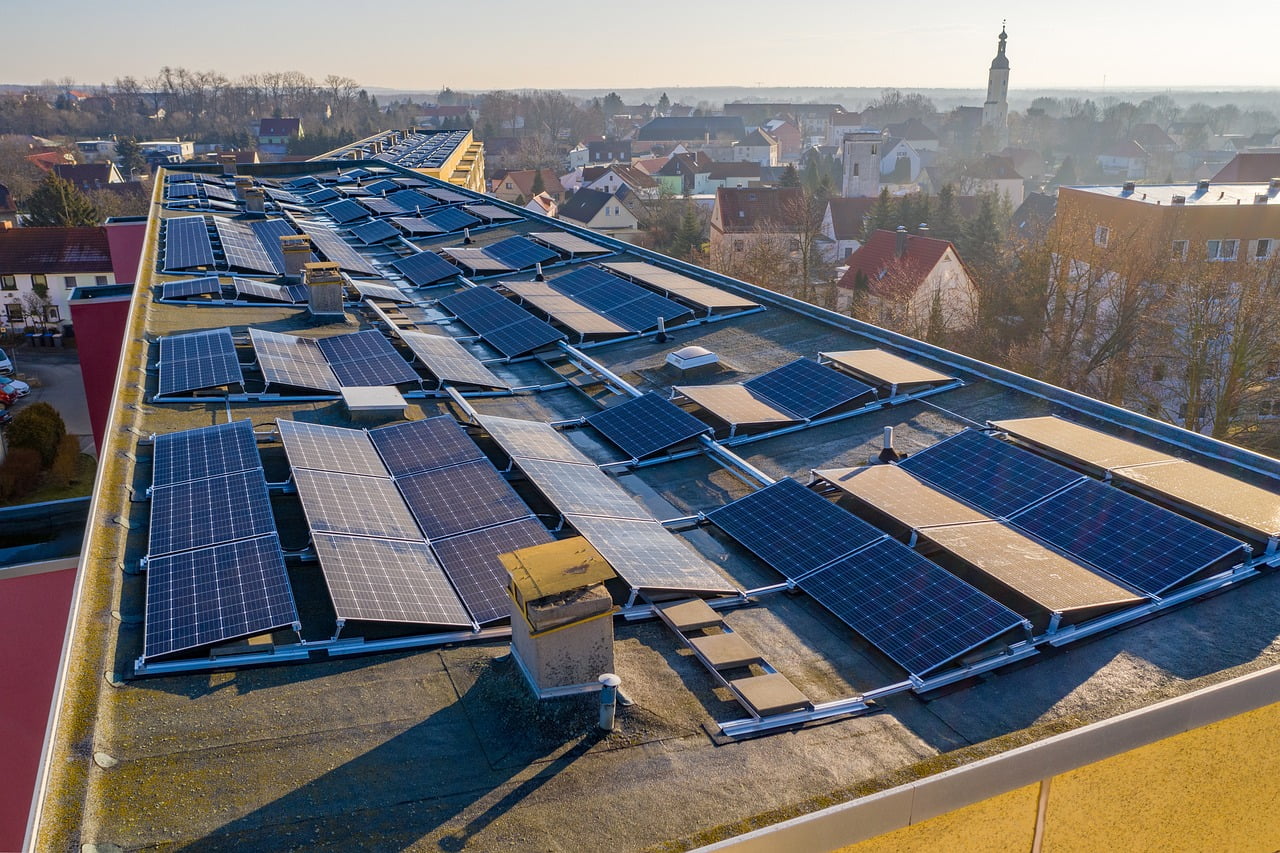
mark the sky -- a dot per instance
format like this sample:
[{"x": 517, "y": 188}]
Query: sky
[{"x": 422, "y": 45}]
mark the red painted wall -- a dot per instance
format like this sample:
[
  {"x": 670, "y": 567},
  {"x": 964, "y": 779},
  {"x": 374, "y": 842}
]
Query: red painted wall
[
  {"x": 99, "y": 325},
  {"x": 125, "y": 241}
]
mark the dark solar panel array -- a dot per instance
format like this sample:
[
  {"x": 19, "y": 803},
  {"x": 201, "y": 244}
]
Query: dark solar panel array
[
  {"x": 356, "y": 506},
  {"x": 807, "y": 389},
  {"x": 382, "y": 187},
  {"x": 382, "y": 291},
  {"x": 415, "y": 226},
  {"x": 292, "y": 360},
  {"x": 346, "y": 211},
  {"x": 216, "y": 594},
  {"x": 200, "y": 513},
  {"x": 626, "y": 304},
  {"x": 198, "y": 360},
  {"x": 243, "y": 250},
  {"x": 793, "y": 529},
  {"x": 1139, "y": 543},
  {"x": 366, "y": 358},
  {"x": 187, "y": 243},
  {"x": 381, "y": 207},
  {"x": 425, "y": 268},
  {"x": 197, "y": 454},
  {"x": 411, "y": 201},
  {"x": 648, "y": 556},
  {"x": 321, "y": 196},
  {"x": 504, "y": 325},
  {"x": 460, "y": 498},
  {"x": 330, "y": 448},
  {"x": 917, "y": 613},
  {"x": 303, "y": 183},
  {"x": 424, "y": 445},
  {"x": 292, "y": 293},
  {"x": 471, "y": 561},
  {"x": 204, "y": 285},
  {"x": 520, "y": 253},
  {"x": 450, "y": 219},
  {"x": 646, "y": 425},
  {"x": 491, "y": 212},
  {"x": 340, "y": 252},
  {"x": 387, "y": 580},
  {"x": 992, "y": 475},
  {"x": 446, "y": 196},
  {"x": 269, "y": 232},
  {"x": 449, "y": 361},
  {"x": 376, "y": 231}
]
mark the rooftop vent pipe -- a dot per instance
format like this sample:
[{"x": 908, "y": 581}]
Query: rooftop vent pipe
[
  {"x": 887, "y": 453},
  {"x": 1202, "y": 186},
  {"x": 1128, "y": 187},
  {"x": 466, "y": 236},
  {"x": 900, "y": 247},
  {"x": 537, "y": 273}
]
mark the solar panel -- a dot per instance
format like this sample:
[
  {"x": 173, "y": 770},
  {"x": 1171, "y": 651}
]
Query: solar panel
[
  {"x": 688, "y": 289},
  {"x": 449, "y": 361},
  {"x": 520, "y": 253},
  {"x": 242, "y": 248},
  {"x": 376, "y": 231},
  {"x": 1141, "y": 544},
  {"x": 346, "y": 211},
  {"x": 647, "y": 556},
  {"x": 491, "y": 212},
  {"x": 269, "y": 232},
  {"x": 381, "y": 207},
  {"x": 181, "y": 190},
  {"x": 641, "y": 313},
  {"x": 451, "y": 219},
  {"x": 187, "y": 243},
  {"x": 918, "y": 614},
  {"x": 200, "y": 513},
  {"x": 460, "y": 498},
  {"x": 627, "y": 304},
  {"x": 387, "y": 580},
  {"x": 582, "y": 489},
  {"x": 425, "y": 268},
  {"x": 991, "y": 474},
  {"x": 366, "y": 358},
  {"x": 411, "y": 201},
  {"x": 292, "y": 360},
  {"x": 339, "y": 251},
  {"x": 504, "y": 325},
  {"x": 806, "y": 388},
  {"x": 570, "y": 244},
  {"x": 471, "y": 561},
  {"x": 303, "y": 183},
  {"x": 208, "y": 284},
  {"x": 382, "y": 291},
  {"x": 322, "y": 195},
  {"x": 476, "y": 260},
  {"x": 198, "y": 360},
  {"x": 646, "y": 425},
  {"x": 359, "y": 506},
  {"x": 523, "y": 337},
  {"x": 793, "y": 529},
  {"x": 330, "y": 448},
  {"x": 532, "y": 440},
  {"x": 220, "y": 192},
  {"x": 416, "y": 225},
  {"x": 197, "y": 454},
  {"x": 266, "y": 290},
  {"x": 216, "y": 594},
  {"x": 424, "y": 445},
  {"x": 582, "y": 281},
  {"x": 446, "y": 196},
  {"x": 382, "y": 187}
]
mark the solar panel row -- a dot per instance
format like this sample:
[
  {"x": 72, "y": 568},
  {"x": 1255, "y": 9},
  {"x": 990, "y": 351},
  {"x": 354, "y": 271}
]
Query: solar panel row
[
  {"x": 646, "y": 425},
  {"x": 243, "y": 250},
  {"x": 504, "y": 325},
  {"x": 449, "y": 361},
  {"x": 626, "y": 304},
  {"x": 807, "y": 389},
  {"x": 198, "y": 360},
  {"x": 424, "y": 269},
  {"x": 187, "y": 243},
  {"x": 205, "y": 285}
]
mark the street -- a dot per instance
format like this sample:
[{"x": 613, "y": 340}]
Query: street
[{"x": 54, "y": 376}]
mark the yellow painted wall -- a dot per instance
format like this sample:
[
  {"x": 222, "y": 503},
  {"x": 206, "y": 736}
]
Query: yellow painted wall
[{"x": 999, "y": 824}]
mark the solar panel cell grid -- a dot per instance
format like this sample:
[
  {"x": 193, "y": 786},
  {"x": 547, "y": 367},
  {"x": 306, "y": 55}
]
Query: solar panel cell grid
[
  {"x": 387, "y": 580},
  {"x": 793, "y": 529},
  {"x": 292, "y": 360},
  {"x": 450, "y": 361},
  {"x": 425, "y": 268},
  {"x": 243, "y": 250},
  {"x": 471, "y": 561},
  {"x": 532, "y": 440},
  {"x": 646, "y": 425},
  {"x": 647, "y": 556},
  {"x": 523, "y": 337},
  {"x": 269, "y": 232},
  {"x": 807, "y": 389},
  {"x": 424, "y": 445},
  {"x": 216, "y": 594},
  {"x": 330, "y": 448},
  {"x": 460, "y": 498},
  {"x": 451, "y": 219},
  {"x": 201, "y": 513},
  {"x": 339, "y": 251},
  {"x": 359, "y": 506},
  {"x": 208, "y": 284},
  {"x": 196, "y": 454},
  {"x": 187, "y": 243},
  {"x": 247, "y": 287},
  {"x": 376, "y": 231},
  {"x": 582, "y": 489},
  {"x": 198, "y": 360},
  {"x": 918, "y": 614},
  {"x": 519, "y": 252},
  {"x": 346, "y": 211}
]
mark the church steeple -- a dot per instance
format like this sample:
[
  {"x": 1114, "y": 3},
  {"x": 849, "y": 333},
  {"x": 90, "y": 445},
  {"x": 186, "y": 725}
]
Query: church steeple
[
  {"x": 995, "y": 112},
  {"x": 1001, "y": 61}
]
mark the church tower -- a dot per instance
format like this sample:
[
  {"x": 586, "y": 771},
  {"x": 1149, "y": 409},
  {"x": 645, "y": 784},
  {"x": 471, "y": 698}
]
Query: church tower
[
  {"x": 995, "y": 112},
  {"x": 860, "y": 152}
]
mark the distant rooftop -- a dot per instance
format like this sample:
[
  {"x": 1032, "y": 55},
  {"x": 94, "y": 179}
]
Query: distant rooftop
[{"x": 1202, "y": 194}]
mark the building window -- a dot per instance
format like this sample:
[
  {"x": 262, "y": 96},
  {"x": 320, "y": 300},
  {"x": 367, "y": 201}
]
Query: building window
[
  {"x": 1223, "y": 250},
  {"x": 39, "y": 281},
  {"x": 1101, "y": 236},
  {"x": 793, "y": 245},
  {"x": 508, "y": 185},
  {"x": 69, "y": 282},
  {"x": 1262, "y": 250},
  {"x": 8, "y": 282},
  {"x": 739, "y": 245},
  {"x": 99, "y": 279},
  {"x": 855, "y": 170},
  {"x": 1180, "y": 250}
]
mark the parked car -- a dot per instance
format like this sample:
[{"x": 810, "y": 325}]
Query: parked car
[
  {"x": 6, "y": 363},
  {"x": 5, "y": 417},
  {"x": 16, "y": 387},
  {"x": 7, "y": 399}
]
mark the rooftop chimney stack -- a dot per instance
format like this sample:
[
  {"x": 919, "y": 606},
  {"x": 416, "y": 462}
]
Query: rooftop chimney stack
[
  {"x": 1202, "y": 186},
  {"x": 296, "y": 249},
  {"x": 324, "y": 290},
  {"x": 254, "y": 200},
  {"x": 228, "y": 163},
  {"x": 923, "y": 229},
  {"x": 900, "y": 246}
]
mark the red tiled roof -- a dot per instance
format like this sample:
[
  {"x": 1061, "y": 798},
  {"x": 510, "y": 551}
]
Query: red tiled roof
[
  {"x": 54, "y": 250},
  {"x": 848, "y": 216},
  {"x": 887, "y": 273},
  {"x": 523, "y": 179},
  {"x": 745, "y": 209},
  {"x": 46, "y": 160},
  {"x": 1250, "y": 167},
  {"x": 86, "y": 175},
  {"x": 279, "y": 127}
]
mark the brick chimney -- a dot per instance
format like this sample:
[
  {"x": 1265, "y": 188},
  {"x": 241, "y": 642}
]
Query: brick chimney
[
  {"x": 900, "y": 245},
  {"x": 296, "y": 249},
  {"x": 254, "y": 200},
  {"x": 324, "y": 290}
]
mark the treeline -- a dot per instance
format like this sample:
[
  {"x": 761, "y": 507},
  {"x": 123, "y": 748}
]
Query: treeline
[{"x": 41, "y": 453}]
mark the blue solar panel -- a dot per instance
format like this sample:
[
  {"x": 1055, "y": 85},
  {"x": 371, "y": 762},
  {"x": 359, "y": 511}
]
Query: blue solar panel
[
  {"x": 269, "y": 232},
  {"x": 646, "y": 425},
  {"x": 205, "y": 285},
  {"x": 627, "y": 304},
  {"x": 243, "y": 250},
  {"x": 471, "y": 561},
  {"x": 807, "y": 389},
  {"x": 366, "y": 358},
  {"x": 346, "y": 211},
  {"x": 382, "y": 187},
  {"x": 582, "y": 280},
  {"x": 322, "y": 195},
  {"x": 520, "y": 252},
  {"x": 793, "y": 529},
  {"x": 425, "y": 268},
  {"x": 197, "y": 454},
  {"x": 424, "y": 445},
  {"x": 460, "y": 498},
  {"x": 198, "y": 360},
  {"x": 918, "y": 614},
  {"x": 340, "y": 252},
  {"x": 523, "y": 337},
  {"x": 411, "y": 201},
  {"x": 451, "y": 219},
  {"x": 376, "y": 231},
  {"x": 504, "y": 325},
  {"x": 187, "y": 243},
  {"x": 991, "y": 474},
  {"x": 216, "y": 594},
  {"x": 200, "y": 513},
  {"x": 1141, "y": 544}
]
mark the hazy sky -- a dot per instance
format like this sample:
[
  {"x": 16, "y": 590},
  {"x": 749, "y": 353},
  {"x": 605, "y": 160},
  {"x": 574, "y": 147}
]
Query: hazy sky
[{"x": 484, "y": 44}]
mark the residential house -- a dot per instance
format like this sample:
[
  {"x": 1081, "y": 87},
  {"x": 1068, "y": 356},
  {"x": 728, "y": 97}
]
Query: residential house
[
  {"x": 275, "y": 134},
  {"x": 55, "y": 260},
  {"x": 916, "y": 133},
  {"x": 757, "y": 147},
  {"x": 1124, "y": 160},
  {"x": 501, "y": 152},
  {"x": 839, "y": 123},
  {"x": 686, "y": 174},
  {"x": 909, "y": 281},
  {"x": 900, "y": 162},
  {"x": 89, "y": 176},
  {"x": 789, "y": 136},
  {"x": 651, "y": 165},
  {"x": 437, "y": 116},
  {"x": 1027, "y": 163},
  {"x": 46, "y": 161},
  {"x": 543, "y": 203},
  {"x": 93, "y": 150},
  {"x": 518, "y": 186},
  {"x": 1034, "y": 217},
  {"x": 616, "y": 175},
  {"x": 812, "y": 119},
  {"x": 733, "y": 175},
  {"x": 741, "y": 218},
  {"x": 694, "y": 129},
  {"x": 843, "y": 225},
  {"x": 601, "y": 211},
  {"x": 181, "y": 149},
  {"x": 1250, "y": 166},
  {"x": 1152, "y": 139},
  {"x": 994, "y": 173}
]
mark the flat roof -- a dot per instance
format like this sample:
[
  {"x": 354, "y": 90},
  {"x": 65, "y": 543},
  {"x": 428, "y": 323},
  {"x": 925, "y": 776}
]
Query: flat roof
[
  {"x": 1192, "y": 195},
  {"x": 436, "y": 739}
]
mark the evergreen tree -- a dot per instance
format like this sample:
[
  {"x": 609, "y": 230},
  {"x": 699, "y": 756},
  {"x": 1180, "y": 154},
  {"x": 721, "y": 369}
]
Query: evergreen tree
[
  {"x": 945, "y": 224},
  {"x": 129, "y": 153},
  {"x": 664, "y": 104},
  {"x": 687, "y": 241},
  {"x": 612, "y": 104},
  {"x": 790, "y": 177},
  {"x": 980, "y": 237},
  {"x": 882, "y": 215},
  {"x": 1066, "y": 172},
  {"x": 58, "y": 203},
  {"x": 539, "y": 185}
]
